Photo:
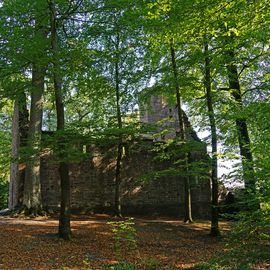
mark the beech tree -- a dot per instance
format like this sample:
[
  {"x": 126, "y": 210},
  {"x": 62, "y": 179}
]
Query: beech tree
[
  {"x": 19, "y": 40},
  {"x": 212, "y": 120},
  {"x": 182, "y": 134},
  {"x": 14, "y": 165},
  {"x": 32, "y": 187},
  {"x": 64, "y": 229}
]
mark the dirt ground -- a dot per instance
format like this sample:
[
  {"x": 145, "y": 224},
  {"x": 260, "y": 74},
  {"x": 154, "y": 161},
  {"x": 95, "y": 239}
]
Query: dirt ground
[{"x": 32, "y": 244}]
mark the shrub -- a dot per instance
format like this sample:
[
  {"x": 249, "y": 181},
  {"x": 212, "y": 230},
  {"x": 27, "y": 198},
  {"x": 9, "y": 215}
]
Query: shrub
[{"x": 124, "y": 236}]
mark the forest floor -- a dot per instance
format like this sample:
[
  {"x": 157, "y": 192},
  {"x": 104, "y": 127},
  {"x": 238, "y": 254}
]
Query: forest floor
[{"x": 32, "y": 244}]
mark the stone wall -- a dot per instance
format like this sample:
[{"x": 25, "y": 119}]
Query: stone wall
[
  {"x": 92, "y": 185},
  {"x": 165, "y": 116}
]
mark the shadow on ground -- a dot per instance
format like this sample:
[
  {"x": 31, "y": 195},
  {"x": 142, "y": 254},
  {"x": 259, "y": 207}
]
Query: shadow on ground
[{"x": 33, "y": 244}]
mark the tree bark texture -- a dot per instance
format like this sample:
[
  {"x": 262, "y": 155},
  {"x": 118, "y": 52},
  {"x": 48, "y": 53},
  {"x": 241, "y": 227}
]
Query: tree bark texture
[
  {"x": 23, "y": 130},
  {"x": 14, "y": 165},
  {"x": 182, "y": 135},
  {"x": 32, "y": 187},
  {"x": 214, "y": 162}
]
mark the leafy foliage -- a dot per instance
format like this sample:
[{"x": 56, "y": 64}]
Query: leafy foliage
[
  {"x": 124, "y": 236},
  {"x": 3, "y": 194},
  {"x": 114, "y": 55}
]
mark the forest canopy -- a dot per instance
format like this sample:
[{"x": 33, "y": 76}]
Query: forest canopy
[{"x": 86, "y": 70}]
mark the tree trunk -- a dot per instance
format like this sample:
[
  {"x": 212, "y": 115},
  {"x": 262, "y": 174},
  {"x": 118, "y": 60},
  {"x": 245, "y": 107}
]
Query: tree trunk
[
  {"x": 64, "y": 229},
  {"x": 32, "y": 188},
  {"x": 23, "y": 130},
  {"x": 182, "y": 135},
  {"x": 23, "y": 119},
  {"x": 241, "y": 125},
  {"x": 20, "y": 126},
  {"x": 188, "y": 209},
  {"x": 14, "y": 165},
  {"x": 117, "y": 204},
  {"x": 214, "y": 165}
]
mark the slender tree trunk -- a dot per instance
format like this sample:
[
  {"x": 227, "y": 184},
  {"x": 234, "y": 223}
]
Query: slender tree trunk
[
  {"x": 214, "y": 165},
  {"x": 23, "y": 130},
  {"x": 117, "y": 203},
  {"x": 20, "y": 126},
  {"x": 64, "y": 229},
  {"x": 14, "y": 165},
  {"x": 241, "y": 125},
  {"x": 32, "y": 188},
  {"x": 182, "y": 135}
]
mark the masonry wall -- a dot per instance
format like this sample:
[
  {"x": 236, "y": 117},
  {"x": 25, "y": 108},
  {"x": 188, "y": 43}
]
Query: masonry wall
[
  {"x": 165, "y": 116},
  {"x": 92, "y": 185}
]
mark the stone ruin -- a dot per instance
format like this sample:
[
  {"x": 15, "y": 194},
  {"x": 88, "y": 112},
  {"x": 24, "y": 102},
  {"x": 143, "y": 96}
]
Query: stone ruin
[{"x": 92, "y": 180}]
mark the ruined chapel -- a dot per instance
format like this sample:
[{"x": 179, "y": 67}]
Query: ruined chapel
[{"x": 92, "y": 180}]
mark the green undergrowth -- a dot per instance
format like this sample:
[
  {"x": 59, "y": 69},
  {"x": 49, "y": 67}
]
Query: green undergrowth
[
  {"x": 247, "y": 245},
  {"x": 246, "y": 257},
  {"x": 146, "y": 264},
  {"x": 3, "y": 194}
]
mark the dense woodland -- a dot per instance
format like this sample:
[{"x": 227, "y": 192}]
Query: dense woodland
[{"x": 82, "y": 69}]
